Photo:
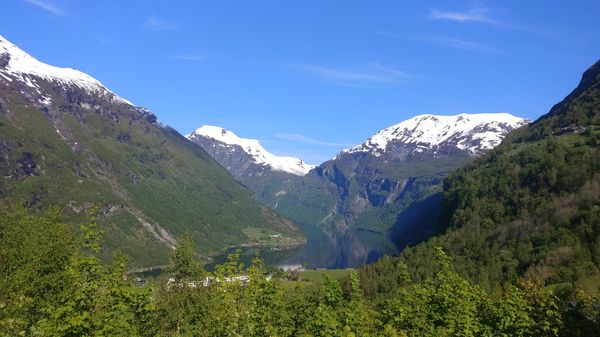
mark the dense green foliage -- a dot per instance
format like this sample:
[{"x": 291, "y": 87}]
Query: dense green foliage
[
  {"x": 529, "y": 209},
  {"x": 52, "y": 284},
  {"x": 531, "y": 206},
  {"x": 67, "y": 291}
]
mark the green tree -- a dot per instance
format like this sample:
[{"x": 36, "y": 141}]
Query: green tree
[
  {"x": 183, "y": 302},
  {"x": 34, "y": 254},
  {"x": 99, "y": 299},
  {"x": 183, "y": 263}
]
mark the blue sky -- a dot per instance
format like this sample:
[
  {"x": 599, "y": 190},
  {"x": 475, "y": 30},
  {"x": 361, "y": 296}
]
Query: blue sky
[{"x": 308, "y": 78}]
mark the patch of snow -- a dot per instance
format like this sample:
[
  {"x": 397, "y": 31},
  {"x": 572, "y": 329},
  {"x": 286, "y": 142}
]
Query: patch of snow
[
  {"x": 23, "y": 66},
  {"x": 6, "y": 77},
  {"x": 252, "y": 147},
  {"x": 428, "y": 131},
  {"x": 29, "y": 83},
  {"x": 46, "y": 100}
]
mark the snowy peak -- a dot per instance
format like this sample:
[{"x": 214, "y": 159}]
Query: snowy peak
[
  {"x": 474, "y": 133},
  {"x": 16, "y": 63},
  {"x": 253, "y": 148}
]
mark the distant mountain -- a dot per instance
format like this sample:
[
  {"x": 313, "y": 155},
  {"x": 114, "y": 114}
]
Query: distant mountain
[
  {"x": 67, "y": 140},
  {"x": 244, "y": 157},
  {"x": 405, "y": 163},
  {"x": 438, "y": 136},
  {"x": 389, "y": 184}
]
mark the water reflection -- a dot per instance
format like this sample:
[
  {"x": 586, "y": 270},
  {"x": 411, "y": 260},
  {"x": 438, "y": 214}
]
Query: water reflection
[
  {"x": 325, "y": 248},
  {"x": 332, "y": 248}
]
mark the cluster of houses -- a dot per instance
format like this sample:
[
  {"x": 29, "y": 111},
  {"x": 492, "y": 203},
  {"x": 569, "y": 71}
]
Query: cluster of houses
[{"x": 243, "y": 279}]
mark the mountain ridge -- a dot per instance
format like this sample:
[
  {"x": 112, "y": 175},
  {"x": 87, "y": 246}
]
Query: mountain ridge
[
  {"x": 476, "y": 133},
  {"x": 15, "y": 61}
]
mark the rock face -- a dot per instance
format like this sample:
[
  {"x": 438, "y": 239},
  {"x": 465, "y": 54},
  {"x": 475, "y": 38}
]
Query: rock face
[
  {"x": 407, "y": 162},
  {"x": 65, "y": 139},
  {"x": 232, "y": 157}
]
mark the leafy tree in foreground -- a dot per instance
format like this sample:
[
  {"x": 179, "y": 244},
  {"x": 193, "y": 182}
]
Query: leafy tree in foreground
[
  {"x": 448, "y": 305},
  {"x": 34, "y": 253},
  {"x": 49, "y": 287},
  {"x": 182, "y": 302},
  {"x": 98, "y": 300}
]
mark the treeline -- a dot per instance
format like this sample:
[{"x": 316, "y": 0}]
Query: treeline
[{"x": 52, "y": 284}]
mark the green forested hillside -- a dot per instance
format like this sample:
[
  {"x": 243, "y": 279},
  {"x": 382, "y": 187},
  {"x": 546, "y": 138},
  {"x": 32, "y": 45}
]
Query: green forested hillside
[
  {"x": 531, "y": 207},
  {"x": 304, "y": 199}
]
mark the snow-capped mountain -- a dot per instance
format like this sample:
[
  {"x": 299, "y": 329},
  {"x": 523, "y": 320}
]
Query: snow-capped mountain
[
  {"x": 433, "y": 134},
  {"x": 238, "y": 154},
  {"x": 16, "y": 64},
  {"x": 404, "y": 163}
]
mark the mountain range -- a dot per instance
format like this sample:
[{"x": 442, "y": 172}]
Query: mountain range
[
  {"x": 67, "y": 140},
  {"x": 389, "y": 184}
]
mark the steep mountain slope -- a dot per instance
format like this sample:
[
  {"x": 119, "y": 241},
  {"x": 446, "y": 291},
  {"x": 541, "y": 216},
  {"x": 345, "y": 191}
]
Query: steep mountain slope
[
  {"x": 530, "y": 207},
  {"x": 67, "y": 140},
  {"x": 283, "y": 183}
]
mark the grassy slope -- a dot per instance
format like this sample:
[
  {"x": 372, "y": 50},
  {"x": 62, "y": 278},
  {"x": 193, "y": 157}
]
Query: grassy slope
[
  {"x": 154, "y": 174},
  {"x": 305, "y": 200},
  {"x": 311, "y": 277}
]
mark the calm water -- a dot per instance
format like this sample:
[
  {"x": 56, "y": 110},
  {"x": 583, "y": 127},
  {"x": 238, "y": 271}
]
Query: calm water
[{"x": 325, "y": 248}]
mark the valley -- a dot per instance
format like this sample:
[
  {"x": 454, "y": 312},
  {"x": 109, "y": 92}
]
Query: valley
[
  {"x": 370, "y": 200},
  {"x": 332, "y": 169}
]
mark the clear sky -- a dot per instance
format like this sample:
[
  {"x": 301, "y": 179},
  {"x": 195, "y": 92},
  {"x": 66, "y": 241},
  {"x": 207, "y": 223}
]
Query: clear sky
[{"x": 308, "y": 78}]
